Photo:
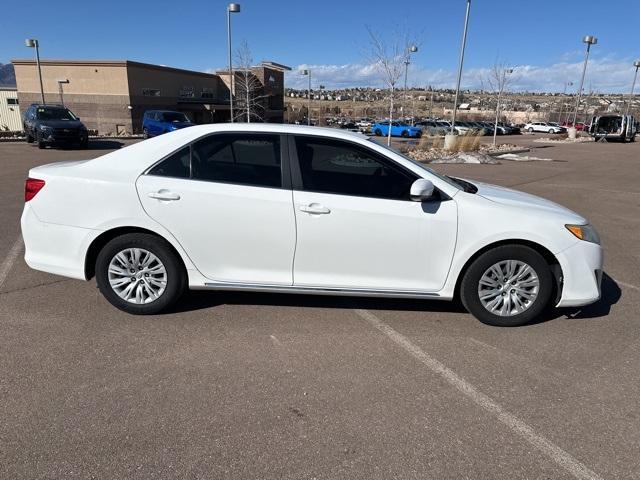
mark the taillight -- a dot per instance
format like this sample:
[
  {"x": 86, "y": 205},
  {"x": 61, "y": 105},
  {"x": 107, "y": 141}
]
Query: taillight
[{"x": 31, "y": 187}]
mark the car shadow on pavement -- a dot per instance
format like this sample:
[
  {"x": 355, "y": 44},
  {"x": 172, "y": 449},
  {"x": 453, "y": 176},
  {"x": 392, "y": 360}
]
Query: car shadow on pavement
[
  {"x": 198, "y": 300},
  {"x": 105, "y": 145},
  {"x": 611, "y": 294}
]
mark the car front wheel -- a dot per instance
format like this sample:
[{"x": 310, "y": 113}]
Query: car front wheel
[
  {"x": 140, "y": 274},
  {"x": 507, "y": 286},
  {"x": 530, "y": 129}
]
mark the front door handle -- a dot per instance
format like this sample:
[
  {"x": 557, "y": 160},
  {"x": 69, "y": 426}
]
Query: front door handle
[
  {"x": 315, "y": 208},
  {"x": 164, "y": 195}
]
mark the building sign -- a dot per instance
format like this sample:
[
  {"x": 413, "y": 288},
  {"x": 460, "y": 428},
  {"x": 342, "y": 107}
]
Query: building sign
[{"x": 187, "y": 92}]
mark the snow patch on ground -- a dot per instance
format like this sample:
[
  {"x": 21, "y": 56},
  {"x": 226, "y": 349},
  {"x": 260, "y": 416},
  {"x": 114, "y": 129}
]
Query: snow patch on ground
[
  {"x": 467, "y": 157},
  {"x": 523, "y": 158}
]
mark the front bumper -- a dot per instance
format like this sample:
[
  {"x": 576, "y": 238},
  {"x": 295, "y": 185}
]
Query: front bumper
[
  {"x": 61, "y": 137},
  {"x": 582, "y": 274}
]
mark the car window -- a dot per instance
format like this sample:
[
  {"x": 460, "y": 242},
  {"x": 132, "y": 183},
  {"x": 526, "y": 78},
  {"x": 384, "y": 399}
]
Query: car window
[
  {"x": 248, "y": 159},
  {"x": 47, "y": 113},
  {"x": 333, "y": 166},
  {"x": 176, "y": 165}
]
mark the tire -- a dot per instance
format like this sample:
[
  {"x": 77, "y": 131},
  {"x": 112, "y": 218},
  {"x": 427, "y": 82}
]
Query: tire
[
  {"x": 551, "y": 130},
  {"x": 41, "y": 144},
  {"x": 29, "y": 138},
  {"x": 404, "y": 134},
  {"x": 378, "y": 132},
  {"x": 519, "y": 315},
  {"x": 145, "y": 133},
  {"x": 169, "y": 285},
  {"x": 84, "y": 144},
  {"x": 530, "y": 130}
]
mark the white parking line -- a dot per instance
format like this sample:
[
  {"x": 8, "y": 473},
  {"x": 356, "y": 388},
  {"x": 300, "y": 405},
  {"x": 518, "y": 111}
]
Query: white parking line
[
  {"x": 7, "y": 263},
  {"x": 627, "y": 285},
  {"x": 562, "y": 458}
]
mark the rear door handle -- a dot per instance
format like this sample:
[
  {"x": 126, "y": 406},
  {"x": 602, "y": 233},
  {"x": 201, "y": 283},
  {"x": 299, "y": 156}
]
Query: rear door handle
[
  {"x": 315, "y": 208},
  {"x": 164, "y": 195}
]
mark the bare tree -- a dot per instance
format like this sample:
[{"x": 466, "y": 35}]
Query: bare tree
[
  {"x": 389, "y": 59},
  {"x": 500, "y": 77},
  {"x": 248, "y": 94}
]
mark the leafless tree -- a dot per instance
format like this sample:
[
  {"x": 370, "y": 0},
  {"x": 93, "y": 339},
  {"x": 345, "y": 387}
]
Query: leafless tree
[
  {"x": 389, "y": 59},
  {"x": 499, "y": 79},
  {"x": 248, "y": 95}
]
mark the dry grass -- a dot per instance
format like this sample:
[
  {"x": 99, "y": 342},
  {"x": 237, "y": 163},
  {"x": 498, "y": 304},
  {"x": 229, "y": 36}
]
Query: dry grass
[{"x": 469, "y": 142}]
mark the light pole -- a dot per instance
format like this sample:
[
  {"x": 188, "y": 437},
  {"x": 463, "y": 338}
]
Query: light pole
[
  {"x": 308, "y": 73},
  {"x": 60, "y": 82},
  {"x": 407, "y": 61},
  {"x": 564, "y": 94},
  {"x": 462, "y": 47},
  {"x": 33, "y": 43},
  {"x": 231, "y": 8},
  {"x": 503, "y": 81},
  {"x": 589, "y": 40},
  {"x": 633, "y": 86}
]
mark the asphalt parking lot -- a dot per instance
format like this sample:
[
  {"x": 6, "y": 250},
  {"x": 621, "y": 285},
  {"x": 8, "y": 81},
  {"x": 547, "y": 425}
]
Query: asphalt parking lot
[{"x": 297, "y": 387}]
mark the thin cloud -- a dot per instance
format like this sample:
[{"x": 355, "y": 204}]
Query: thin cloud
[{"x": 607, "y": 75}]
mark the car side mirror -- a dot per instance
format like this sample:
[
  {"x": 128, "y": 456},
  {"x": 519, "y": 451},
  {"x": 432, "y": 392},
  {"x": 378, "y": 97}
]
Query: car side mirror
[
  {"x": 421, "y": 190},
  {"x": 77, "y": 118}
]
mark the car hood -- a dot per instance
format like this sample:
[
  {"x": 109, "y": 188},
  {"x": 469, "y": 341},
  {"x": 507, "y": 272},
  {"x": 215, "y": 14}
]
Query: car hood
[
  {"x": 507, "y": 196},
  {"x": 61, "y": 123}
]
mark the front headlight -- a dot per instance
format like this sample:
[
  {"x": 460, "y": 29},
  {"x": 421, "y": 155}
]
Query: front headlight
[
  {"x": 584, "y": 232},
  {"x": 44, "y": 128}
]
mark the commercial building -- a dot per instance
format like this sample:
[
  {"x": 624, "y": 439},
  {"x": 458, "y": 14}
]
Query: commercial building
[
  {"x": 10, "y": 119},
  {"x": 112, "y": 96}
]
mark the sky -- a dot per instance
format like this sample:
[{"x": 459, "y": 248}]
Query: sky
[{"x": 540, "y": 39}]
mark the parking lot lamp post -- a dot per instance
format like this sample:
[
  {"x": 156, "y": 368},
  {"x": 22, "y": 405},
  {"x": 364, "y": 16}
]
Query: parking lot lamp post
[
  {"x": 407, "y": 61},
  {"x": 33, "y": 43},
  {"x": 633, "y": 86},
  {"x": 307, "y": 72},
  {"x": 589, "y": 40},
  {"x": 462, "y": 47},
  {"x": 231, "y": 8}
]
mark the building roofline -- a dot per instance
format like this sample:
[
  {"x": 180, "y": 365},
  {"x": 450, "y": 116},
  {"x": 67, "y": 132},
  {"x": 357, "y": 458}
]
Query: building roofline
[
  {"x": 109, "y": 63},
  {"x": 8, "y": 88}
]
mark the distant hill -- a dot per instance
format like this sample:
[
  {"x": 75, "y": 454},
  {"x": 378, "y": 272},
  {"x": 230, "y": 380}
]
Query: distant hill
[{"x": 7, "y": 75}]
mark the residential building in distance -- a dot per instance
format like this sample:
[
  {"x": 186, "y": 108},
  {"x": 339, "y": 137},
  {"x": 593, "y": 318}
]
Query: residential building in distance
[{"x": 112, "y": 96}]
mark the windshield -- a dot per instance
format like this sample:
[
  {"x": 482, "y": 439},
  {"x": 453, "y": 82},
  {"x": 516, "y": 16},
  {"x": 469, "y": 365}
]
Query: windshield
[
  {"x": 48, "y": 113},
  {"x": 174, "y": 117},
  {"x": 444, "y": 178}
]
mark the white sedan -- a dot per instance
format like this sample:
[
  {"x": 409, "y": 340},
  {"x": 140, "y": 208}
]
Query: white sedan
[
  {"x": 544, "y": 127},
  {"x": 299, "y": 209}
]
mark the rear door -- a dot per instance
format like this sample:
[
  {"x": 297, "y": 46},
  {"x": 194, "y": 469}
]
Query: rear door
[{"x": 227, "y": 199}]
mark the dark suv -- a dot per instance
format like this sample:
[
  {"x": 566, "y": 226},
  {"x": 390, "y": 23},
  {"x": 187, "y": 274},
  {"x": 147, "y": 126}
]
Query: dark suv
[{"x": 54, "y": 125}]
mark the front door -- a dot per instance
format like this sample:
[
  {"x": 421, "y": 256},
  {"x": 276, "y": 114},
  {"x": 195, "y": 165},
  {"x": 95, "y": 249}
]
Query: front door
[
  {"x": 223, "y": 198},
  {"x": 357, "y": 227}
]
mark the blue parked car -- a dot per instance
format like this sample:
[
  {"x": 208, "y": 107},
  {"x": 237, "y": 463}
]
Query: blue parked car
[
  {"x": 398, "y": 129},
  {"x": 157, "y": 122}
]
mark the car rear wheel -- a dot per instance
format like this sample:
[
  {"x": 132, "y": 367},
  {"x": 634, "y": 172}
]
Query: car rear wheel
[
  {"x": 404, "y": 134},
  {"x": 530, "y": 129},
  {"x": 378, "y": 132},
  {"x": 507, "y": 286},
  {"x": 140, "y": 274}
]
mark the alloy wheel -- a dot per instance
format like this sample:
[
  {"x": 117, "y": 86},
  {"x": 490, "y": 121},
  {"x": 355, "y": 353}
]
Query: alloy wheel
[
  {"x": 137, "y": 276},
  {"x": 508, "y": 288}
]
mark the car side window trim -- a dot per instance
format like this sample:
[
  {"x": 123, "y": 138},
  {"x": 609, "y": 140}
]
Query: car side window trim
[
  {"x": 296, "y": 172},
  {"x": 285, "y": 171}
]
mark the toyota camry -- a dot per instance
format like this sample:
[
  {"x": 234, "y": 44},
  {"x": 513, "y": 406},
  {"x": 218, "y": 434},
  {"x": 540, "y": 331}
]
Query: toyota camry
[{"x": 298, "y": 209}]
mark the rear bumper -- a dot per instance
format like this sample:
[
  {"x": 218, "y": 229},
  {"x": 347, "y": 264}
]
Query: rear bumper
[
  {"x": 582, "y": 274},
  {"x": 53, "y": 248}
]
